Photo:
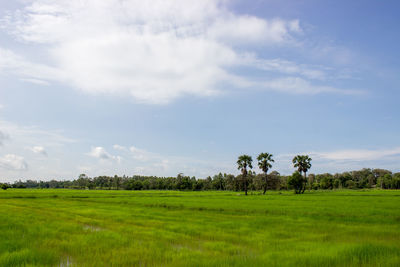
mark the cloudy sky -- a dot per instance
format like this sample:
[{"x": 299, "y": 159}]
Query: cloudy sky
[{"x": 161, "y": 87}]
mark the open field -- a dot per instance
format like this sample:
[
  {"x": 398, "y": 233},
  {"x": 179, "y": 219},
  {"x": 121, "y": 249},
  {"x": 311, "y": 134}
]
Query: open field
[{"x": 170, "y": 228}]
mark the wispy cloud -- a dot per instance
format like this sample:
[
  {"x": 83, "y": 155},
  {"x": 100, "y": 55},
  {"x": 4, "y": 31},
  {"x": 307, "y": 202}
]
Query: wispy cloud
[
  {"x": 358, "y": 154},
  {"x": 13, "y": 162},
  {"x": 38, "y": 73},
  {"x": 39, "y": 150},
  {"x": 142, "y": 155},
  {"x": 247, "y": 29},
  {"x": 344, "y": 160},
  {"x": 28, "y": 136},
  {"x": 297, "y": 85},
  {"x": 286, "y": 67}
]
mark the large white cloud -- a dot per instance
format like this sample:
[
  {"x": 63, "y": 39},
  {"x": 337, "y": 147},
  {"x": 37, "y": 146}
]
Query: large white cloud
[{"x": 154, "y": 51}]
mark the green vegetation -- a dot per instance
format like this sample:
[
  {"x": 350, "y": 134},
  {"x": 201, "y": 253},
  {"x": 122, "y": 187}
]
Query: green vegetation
[
  {"x": 365, "y": 178},
  {"x": 264, "y": 163},
  {"x": 303, "y": 164},
  {"x": 247, "y": 180},
  {"x": 244, "y": 162},
  {"x": 4, "y": 186},
  {"x": 297, "y": 182},
  {"x": 174, "y": 228}
]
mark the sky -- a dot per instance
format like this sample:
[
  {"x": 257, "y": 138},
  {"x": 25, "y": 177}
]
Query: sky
[{"x": 159, "y": 87}]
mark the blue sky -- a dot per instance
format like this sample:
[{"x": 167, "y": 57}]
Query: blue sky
[{"x": 162, "y": 87}]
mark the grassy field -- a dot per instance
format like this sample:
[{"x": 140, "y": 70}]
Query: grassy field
[{"x": 169, "y": 228}]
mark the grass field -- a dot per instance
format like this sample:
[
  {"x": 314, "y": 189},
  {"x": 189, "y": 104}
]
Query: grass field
[{"x": 169, "y": 228}]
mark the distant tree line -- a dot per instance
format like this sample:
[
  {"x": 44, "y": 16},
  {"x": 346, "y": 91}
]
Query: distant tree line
[
  {"x": 247, "y": 180},
  {"x": 365, "y": 178}
]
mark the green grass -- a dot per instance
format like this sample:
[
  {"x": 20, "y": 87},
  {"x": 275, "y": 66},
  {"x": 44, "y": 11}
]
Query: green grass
[{"x": 169, "y": 228}]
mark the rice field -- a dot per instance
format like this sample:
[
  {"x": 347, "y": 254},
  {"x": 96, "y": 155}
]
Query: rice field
[{"x": 171, "y": 228}]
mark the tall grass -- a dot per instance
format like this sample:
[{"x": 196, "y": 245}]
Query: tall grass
[{"x": 170, "y": 228}]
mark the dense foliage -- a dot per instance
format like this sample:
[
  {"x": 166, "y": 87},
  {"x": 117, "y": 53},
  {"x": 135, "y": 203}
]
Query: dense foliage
[
  {"x": 297, "y": 182},
  {"x": 365, "y": 178}
]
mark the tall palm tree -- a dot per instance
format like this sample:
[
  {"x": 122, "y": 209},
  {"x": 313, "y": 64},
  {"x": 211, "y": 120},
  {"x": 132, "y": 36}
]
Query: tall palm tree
[
  {"x": 244, "y": 162},
  {"x": 264, "y": 163},
  {"x": 303, "y": 164}
]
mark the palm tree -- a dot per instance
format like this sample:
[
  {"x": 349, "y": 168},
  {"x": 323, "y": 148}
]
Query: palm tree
[
  {"x": 243, "y": 162},
  {"x": 303, "y": 164},
  {"x": 264, "y": 164}
]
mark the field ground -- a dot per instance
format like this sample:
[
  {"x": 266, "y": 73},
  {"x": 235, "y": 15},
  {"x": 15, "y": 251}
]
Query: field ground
[{"x": 170, "y": 228}]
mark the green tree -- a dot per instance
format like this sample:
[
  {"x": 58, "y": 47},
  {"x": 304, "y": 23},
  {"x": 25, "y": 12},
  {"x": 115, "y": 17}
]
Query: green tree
[
  {"x": 82, "y": 181},
  {"x": 218, "y": 182},
  {"x": 303, "y": 164},
  {"x": 297, "y": 181},
  {"x": 117, "y": 181},
  {"x": 264, "y": 163},
  {"x": 244, "y": 162},
  {"x": 4, "y": 186},
  {"x": 325, "y": 180},
  {"x": 274, "y": 180}
]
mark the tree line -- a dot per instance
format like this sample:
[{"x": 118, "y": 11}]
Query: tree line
[{"x": 246, "y": 181}]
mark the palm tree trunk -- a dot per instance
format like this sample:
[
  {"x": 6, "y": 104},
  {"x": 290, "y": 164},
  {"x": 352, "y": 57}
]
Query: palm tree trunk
[
  {"x": 265, "y": 183},
  {"x": 244, "y": 173},
  {"x": 305, "y": 182},
  {"x": 245, "y": 185}
]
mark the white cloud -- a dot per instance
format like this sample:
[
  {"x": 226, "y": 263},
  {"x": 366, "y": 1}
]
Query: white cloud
[
  {"x": 39, "y": 150},
  {"x": 297, "y": 85},
  {"x": 28, "y": 136},
  {"x": 286, "y": 67},
  {"x": 155, "y": 51},
  {"x": 35, "y": 81},
  {"x": 13, "y": 162},
  {"x": 294, "y": 26},
  {"x": 23, "y": 140},
  {"x": 343, "y": 160},
  {"x": 32, "y": 72},
  {"x": 100, "y": 153},
  {"x": 358, "y": 154},
  {"x": 247, "y": 29}
]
